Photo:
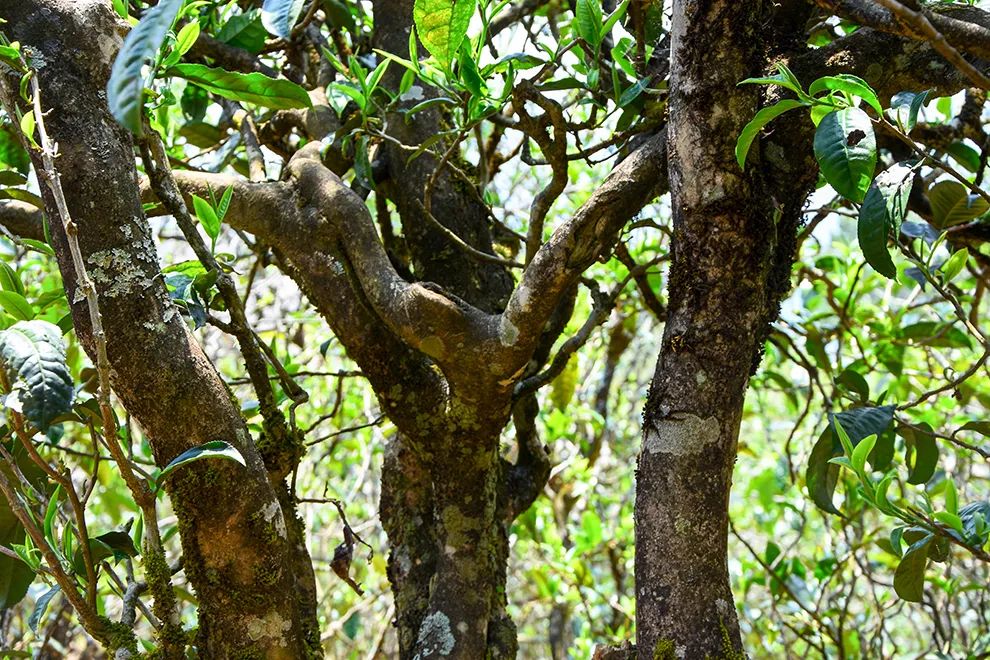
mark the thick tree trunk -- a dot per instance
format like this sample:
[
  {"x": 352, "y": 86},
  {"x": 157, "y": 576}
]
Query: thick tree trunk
[
  {"x": 235, "y": 534},
  {"x": 720, "y": 303}
]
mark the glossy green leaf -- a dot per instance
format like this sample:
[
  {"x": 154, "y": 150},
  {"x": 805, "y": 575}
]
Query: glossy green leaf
[
  {"x": 10, "y": 280},
  {"x": 861, "y": 451},
  {"x": 954, "y": 264},
  {"x": 33, "y": 356},
  {"x": 850, "y": 84},
  {"x": 183, "y": 42},
  {"x": 41, "y": 606},
  {"x": 207, "y": 217},
  {"x": 212, "y": 449},
  {"x": 756, "y": 124},
  {"x": 442, "y": 26},
  {"x": 821, "y": 476},
  {"x": 905, "y": 107},
  {"x": 255, "y": 88},
  {"x": 920, "y": 441},
  {"x": 244, "y": 31},
  {"x": 909, "y": 578},
  {"x": 468, "y": 70},
  {"x": 280, "y": 16},
  {"x": 125, "y": 88},
  {"x": 881, "y": 215},
  {"x": 16, "y": 305},
  {"x": 846, "y": 149},
  {"x": 588, "y": 20}
]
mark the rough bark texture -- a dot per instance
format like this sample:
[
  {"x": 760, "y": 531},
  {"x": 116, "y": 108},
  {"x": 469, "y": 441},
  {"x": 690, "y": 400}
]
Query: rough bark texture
[
  {"x": 233, "y": 529},
  {"x": 719, "y": 303}
]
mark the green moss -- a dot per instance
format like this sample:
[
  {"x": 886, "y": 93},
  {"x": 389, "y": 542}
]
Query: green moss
[
  {"x": 664, "y": 650},
  {"x": 117, "y": 636}
]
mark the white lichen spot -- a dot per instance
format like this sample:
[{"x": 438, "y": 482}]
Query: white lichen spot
[
  {"x": 273, "y": 627},
  {"x": 273, "y": 514},
  {"x": 78, "y": 296},
  {"x": 449, "y": 550},
  {"x": 415, "y": 93},
  {"x": 680, "y": 651},
  {"x": 435, "y": 636},
  {"x": 700, "y": 377},
  {"x": 463, "y": 627},
  {"x": 116, "y": 271},
  {"x": 156, "y": 327},
  {"x": 682, "y": 434},
  {"x": 170, "y": 313},
  {"x": 507, "y": 333}
]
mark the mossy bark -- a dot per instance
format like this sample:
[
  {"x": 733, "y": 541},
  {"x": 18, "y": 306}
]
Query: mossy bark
[{"x": 233, "y": 527}]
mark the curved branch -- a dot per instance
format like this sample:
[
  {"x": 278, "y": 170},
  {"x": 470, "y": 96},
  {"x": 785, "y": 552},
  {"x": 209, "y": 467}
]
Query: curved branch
[{"x": 578, "y": 243}]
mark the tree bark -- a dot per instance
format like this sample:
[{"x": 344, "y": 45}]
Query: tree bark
[
  {"x": 720, "y": 301},
  {"x": 232, "y": 527}
]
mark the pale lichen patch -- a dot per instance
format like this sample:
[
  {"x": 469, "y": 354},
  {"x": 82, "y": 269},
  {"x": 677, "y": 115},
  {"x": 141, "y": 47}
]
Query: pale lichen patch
[
  {"x": 273, "y": 514},
  {"x": 682, "y": 434},
  {"x": 116, "y": 271},
  {"x": 507, "y": 333},
  {"x": 435, "y": 636},
  {"x": 273, "y": 627}
]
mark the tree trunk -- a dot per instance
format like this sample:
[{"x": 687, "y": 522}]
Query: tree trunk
[
  {"x": 234, "y": 532},
  {"x": 720, "y": 303}
]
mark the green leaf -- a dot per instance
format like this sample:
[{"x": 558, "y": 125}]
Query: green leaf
[
  {"x": 861, "y": 451},
  {"x": 783, "y": 78},
  {"x": 850, "y": 84},
  {"x": 468, "y": 70},
  {"x": 11, "y": 56},
  {"x": 9, "y": 279},
  {"x": 951, "y": 497},
  {"x": 224, "y": 202},
  {"x": 50, "y": 515},
  {"x": 965, "y": 155},
  {"x": 613, "y": 18},
  {"x": 207, "y": 217},
  {"x": 588, "y": 19},
  {"x": 125, "y": 89},
  {"x": 859, "y": 423},
  {"x": 33, "y": 357},
  {"x": 183, "y": 42},
  {"x": 212, "y": 449},
  {"x": 906, "y": 106},
  {"x": 442, "y": 25},
  {"x": 41, "y": 606},
  {"x": 954, "y": 264},
  {"x": 920, "y": 441},
  {"x": 909, "y": 578},
  {"x": 882, "y": 213},
  {"x": 846, "y": 149},
  {"x": 280, "y": 16},
  {"x": 16, "y": 305},
  {"x": 632, "y": 92},
  {"x": 27, "y": 127},
  {"x": 244, "y": 31},
  {"x": 953, "y": 203},
  {"x": 254, "y": 87},
  {"x": 756, "y": 124},
  {"x": 821, "y": 475}
]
